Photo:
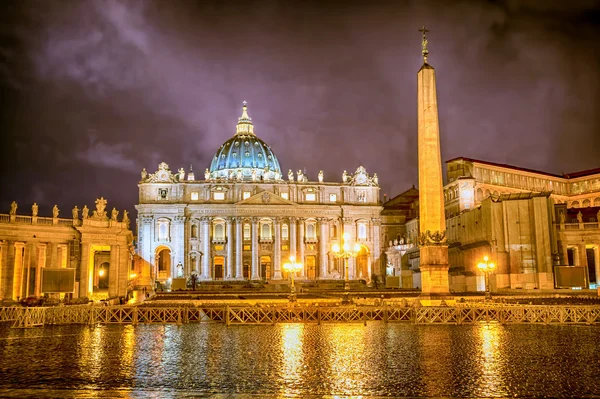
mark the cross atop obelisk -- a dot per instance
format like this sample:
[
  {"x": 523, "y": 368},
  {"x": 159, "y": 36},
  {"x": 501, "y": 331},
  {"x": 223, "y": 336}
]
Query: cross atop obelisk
[{"x": 424, "y": 43}]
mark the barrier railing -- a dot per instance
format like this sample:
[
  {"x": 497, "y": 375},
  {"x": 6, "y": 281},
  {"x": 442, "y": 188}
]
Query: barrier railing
[{"x": 240, "y": 315}]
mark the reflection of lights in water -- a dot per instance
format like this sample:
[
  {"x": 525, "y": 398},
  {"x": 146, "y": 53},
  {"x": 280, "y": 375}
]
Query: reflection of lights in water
[
  {"x": 128, "y": 350},
  {"x": 291, "y": 347},
  {"x": 490, "y": 361},
  {"x": 347, "y": 368}
]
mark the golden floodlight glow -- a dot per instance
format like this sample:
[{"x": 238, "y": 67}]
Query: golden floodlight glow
[
  {"x": 335, "y": 248},
  {"x": 101, "y": 272}
]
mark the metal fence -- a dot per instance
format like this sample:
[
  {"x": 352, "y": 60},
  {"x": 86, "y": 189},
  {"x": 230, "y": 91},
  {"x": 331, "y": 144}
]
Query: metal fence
[{"x": 240, "y": 315}]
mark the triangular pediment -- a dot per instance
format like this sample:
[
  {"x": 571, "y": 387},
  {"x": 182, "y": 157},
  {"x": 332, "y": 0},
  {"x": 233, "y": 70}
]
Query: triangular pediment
[{"x": 265, "y": 198}]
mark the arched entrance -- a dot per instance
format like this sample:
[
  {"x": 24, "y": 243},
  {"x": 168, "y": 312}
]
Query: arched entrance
[
  {"x": 362, "y": 263},
  {"x": 265, "y": 267},
  {"x": 163, "y": 263}
]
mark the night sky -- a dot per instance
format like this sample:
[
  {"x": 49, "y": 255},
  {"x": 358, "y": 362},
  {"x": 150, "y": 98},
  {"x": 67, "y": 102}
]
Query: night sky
[{"x": 93, "y": 91}]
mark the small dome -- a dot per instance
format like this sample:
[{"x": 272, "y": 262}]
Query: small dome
[{"x": 245, "y": 156}]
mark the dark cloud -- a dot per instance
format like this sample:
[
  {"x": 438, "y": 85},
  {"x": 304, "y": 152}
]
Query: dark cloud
[{"x": 94, "y": 91}]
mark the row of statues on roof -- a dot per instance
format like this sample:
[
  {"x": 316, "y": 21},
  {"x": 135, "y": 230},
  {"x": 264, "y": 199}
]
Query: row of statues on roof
[
  {"x": 163, "y": 174},
  {"x": 99, "y": 213}
]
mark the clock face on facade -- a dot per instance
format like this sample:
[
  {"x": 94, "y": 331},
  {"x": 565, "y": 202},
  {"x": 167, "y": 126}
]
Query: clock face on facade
[
  {"x": 361, "y": 179},
  {"x": 163, "y": 175}
]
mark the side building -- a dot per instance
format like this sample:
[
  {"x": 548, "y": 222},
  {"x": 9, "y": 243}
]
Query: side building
[
  {"x": 245, "y": 218},
  {"x": 68, "y": 257},
  {"x": 529, "y": 223}
]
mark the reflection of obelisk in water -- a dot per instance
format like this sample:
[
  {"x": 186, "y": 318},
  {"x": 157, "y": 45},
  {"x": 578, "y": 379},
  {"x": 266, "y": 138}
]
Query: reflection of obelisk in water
[{"x": 432, "y": 222}]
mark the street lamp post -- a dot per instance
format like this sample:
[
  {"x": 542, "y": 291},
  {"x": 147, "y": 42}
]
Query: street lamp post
[
  {"x": 487, "y": 267},
  {"x": 292, "y": 268},
  {"x": 345, "y": 253}
]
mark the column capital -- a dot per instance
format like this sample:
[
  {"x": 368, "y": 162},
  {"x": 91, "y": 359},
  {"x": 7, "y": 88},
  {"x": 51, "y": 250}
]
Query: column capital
[
  {"x": 205, "y": 219},
  {"x": 147, "y": 219},
  {"x": 292, "y": 219},
  {"x": 376, "y": 221},
  {"x": 301, "y": 220},
  {"x": 347, "y": 220},
  {"x": 254, "y": 219},
  {"x": 19, "y": 244},
  {"x": 238, "y": 219},
  {"x": 179, "y": 219}
]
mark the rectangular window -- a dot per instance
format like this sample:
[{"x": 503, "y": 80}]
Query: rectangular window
[
  {"x": 285, "y": 196},
  {"x": 218, "y": 196},
  {"x": 246, "y": 194},
  {"x": 311, "y": 197},
  {"x": 333, "y": 197},
  {"x": 246, "y": 232},
  {"x": 195, "y": 196},
  {"x": 247, "y": 248}
]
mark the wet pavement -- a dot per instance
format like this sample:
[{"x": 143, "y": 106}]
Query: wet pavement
[{"x": 296, "y": 360}]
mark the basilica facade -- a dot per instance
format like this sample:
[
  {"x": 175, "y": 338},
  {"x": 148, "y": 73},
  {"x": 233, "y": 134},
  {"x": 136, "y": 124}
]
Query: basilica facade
[{"x": 245, "y": 217}]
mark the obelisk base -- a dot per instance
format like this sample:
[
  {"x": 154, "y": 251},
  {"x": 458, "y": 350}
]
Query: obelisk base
[{"x": 434, "y": 272}]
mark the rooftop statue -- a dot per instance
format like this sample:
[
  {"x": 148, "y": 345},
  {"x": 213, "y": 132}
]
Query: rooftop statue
[
  {"x": 126, "y": 218},
  {"x": 580, "y": 217},
  {"x": 345, "y": 177},
  {"x": 320, "y": 176},
  {"x": 55, "y": 211},
  {"x": 75, "y": 212},
  {"x": 300, "y": 176},
  {"x": 114, "y": 214},
  {"x": 13, "y": 208},
  {"x": 85, "y": 212},
  {"x": 34, "y": 209},
  {"x": 206, "y": 174},
  {"x": 100, "y": 208},
  {"x": 144, "y": 174},
  {"x": 290, "y": 175}
]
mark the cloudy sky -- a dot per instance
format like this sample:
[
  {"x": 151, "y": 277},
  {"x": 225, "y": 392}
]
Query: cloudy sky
[{"x": 93, "y": 91}]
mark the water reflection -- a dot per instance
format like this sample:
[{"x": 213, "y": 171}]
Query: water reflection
[
  {"x": 490, "y": 361},
  {"x": 297, "y": 360},
  {"x": 292, "y": 336}
]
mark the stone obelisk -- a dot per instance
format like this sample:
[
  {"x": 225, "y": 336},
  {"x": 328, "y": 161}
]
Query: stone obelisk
[{"x": 432, "y": 221}]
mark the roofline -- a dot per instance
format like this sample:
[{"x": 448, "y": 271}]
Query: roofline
[{"x": 501, "y": 165}]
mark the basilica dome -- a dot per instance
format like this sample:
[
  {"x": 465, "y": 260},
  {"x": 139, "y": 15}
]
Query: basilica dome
[{"x": 245, "y": 156}]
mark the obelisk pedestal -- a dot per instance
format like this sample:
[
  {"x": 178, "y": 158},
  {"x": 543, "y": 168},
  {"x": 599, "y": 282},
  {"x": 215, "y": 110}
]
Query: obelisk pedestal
[{"x": 432, "y": 220}]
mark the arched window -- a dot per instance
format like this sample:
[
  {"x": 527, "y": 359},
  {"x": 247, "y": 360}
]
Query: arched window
[
  {"x": 284, "y": 232},
  {"x": 246, "y": 231},
  {"x": 479, "y": 194},
  {"x": 219, "y": 232},
  {"x": 194, "y": 231},
  {"x": 597, "y": 202},
  {"x": 362, "y": 231},
  {"x": 310, "y": 230},
  {"x": 575, "y": 204},
  {"x": 586, "y": 203},
  {"x": 265, "y": 230}
]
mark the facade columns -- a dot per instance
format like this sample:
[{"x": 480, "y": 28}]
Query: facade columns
[
  {"x": 18, "y": 270},
  {"x": 230, "y": 261},
  {"x": 376, "y": 252},
  {"x": 113, "y": 274},
  {"x": 347, "y": 224},
  {"x": 292, "y": 233},
  {"x": 2, "y": 263},
  {"x": 85, "y": 278},
  {"x": 255, "y": 260},
  {"x": 277, "y": 250},
  {"x": 301, "y": 259},
  {"x": 205, "y": 226},
  {"x": 323, "y": 242},
  {"x": 239, "y": 272}
]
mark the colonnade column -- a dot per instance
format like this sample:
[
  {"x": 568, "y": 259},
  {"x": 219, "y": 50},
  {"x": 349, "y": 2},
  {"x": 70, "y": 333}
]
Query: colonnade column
[
  {"x": 376, "y": 250},
  {"x": 113, "y": 274},
  {"x": 255, "y": 260},
  {"x": 277, "y": 250},
  {"x": 205, "y": 224},
  {"x": 239, "y": 272},
  {"x": 84, "y": 274},
  {"x": 301, "y": 246},
  {"x": 292, "y": 232},
  {"x": 18, "y": 270},
  {"x": 583, "y": 261},
  {"x": 230, "y": 262},
  {"x": 347, "y": 224},
  {"x": 2, "y": 263},
  {"x": 323, "y": 240},
  {"x": 39, "y": 264}
]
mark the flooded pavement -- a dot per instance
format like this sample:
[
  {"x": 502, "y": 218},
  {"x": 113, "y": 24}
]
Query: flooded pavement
[{"x": 300, "y": 360}]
